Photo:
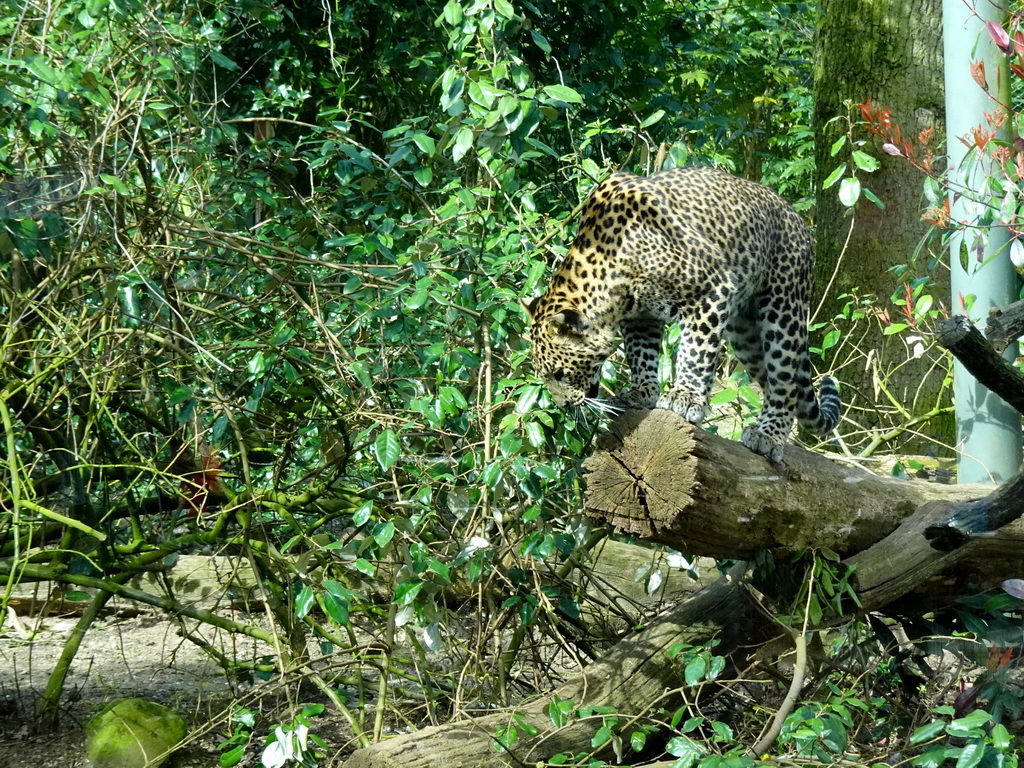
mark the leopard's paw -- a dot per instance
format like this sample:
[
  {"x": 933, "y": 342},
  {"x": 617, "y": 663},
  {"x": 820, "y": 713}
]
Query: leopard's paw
[
  {"x": 691, "y": 408},
  {"x": 759, "y": 442},
  {"x": 634, "y": 400}
]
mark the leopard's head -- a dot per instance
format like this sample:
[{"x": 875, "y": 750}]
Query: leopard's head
[{"x": 568, "y": 350}]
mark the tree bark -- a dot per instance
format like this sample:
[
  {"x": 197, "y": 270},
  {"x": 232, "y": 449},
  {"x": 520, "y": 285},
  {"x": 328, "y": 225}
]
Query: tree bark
[
  {"x": 1005, "y": 325},
  {"x": 888, "y": 52},
  {"x": 657, "y": 476}
]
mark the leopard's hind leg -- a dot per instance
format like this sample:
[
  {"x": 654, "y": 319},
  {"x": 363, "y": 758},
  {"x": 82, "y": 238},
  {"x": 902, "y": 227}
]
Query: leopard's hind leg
[{"x": 785, "y": 375}]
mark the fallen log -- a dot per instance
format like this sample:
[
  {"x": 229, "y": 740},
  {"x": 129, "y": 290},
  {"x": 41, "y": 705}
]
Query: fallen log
[{"x": 656, "y": 476}]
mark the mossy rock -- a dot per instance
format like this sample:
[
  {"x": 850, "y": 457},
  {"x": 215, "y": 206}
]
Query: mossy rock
[{"x": 132, "y": 733}]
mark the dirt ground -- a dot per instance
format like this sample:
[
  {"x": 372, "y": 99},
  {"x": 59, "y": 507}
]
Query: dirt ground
[
  {"x": 138, "y": 655},
  {"x": 124, "y": 654}
]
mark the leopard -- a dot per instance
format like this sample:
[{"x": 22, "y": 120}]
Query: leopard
[{"x": 727, "y": 259}]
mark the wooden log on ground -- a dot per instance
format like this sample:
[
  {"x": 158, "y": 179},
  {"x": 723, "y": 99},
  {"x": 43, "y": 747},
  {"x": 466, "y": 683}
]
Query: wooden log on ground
[{"x": 656, "y": 476}]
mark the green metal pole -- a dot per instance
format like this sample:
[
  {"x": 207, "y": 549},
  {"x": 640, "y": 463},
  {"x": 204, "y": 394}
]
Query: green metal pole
[{"x": 988, "y": 430}]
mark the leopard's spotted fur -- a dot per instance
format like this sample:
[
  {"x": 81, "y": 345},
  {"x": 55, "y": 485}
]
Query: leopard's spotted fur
[{"x": 726, "y": 258}]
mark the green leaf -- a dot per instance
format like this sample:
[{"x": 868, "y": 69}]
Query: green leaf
[
  {"x": 849, "y": 192},
  {"x": 387, "y": 449},
  {"x": 652, "y": 119},
  {"x": 360, "y": 369},
  {"x": 362, "y": 514},
  {"x": 505, "y": 737},
  {"x": 178, "y": 395},
  {"x": 814, "y": 610},
  {"x": 717, "y": 667},
  {"x": 419, "y": 297},
  {"x": 423, "y": 175},
  {"x": 281, "y": 333},
  {"x": 114, "y": 183},
  {"x": 452, "y": 85},
  {"x": 233, "y": 756},
  {"x": 384, "y": 533},
  {"x": 835, "y": 176},
  {"x": 686, "y": 749},
  {"x": 483, "y": 93},
  {"x": 601, "y": 737},
  {"x": 453, "y": 400},
  {"x": 932, "y": 758},
  {"x": 463, "y": 142},
  {"x": 559, "y": 710},
  {"x": 837, "y": 145},
  {"x": 971, "y": 755},
  {"x": 504, "y": 7},
  {"x": 563, "y": 93},
  {"x": 452, "y": 12},
  {"x": 874, "y": 199},
  {"x": 425, "y": 143},
  {"x": 923, "y": 305},
  {"x": 406, "y": 592},
  {"x": 223, "y": 61},
  {"x": 894, "y": 329},
  {"x": 527, "y": 398},
  {"x": 336, "y": 607},
  {"x": 442, "y": 570},
  {"x": 637, "y": 740},
  {"x": 724, "y": 396},
  {"x": 535, "y": 434},
  {"x": 38, "y": 66},
  {"x": 540, "y": 41},
  {"x": 966, "y": 727},
  {"x": 1001, "y": 738},
  {"x": 695, "y": 670},
  {"x": 723, "y": 733},
  {"x": 864, "y": 161},
  {"x": 304, "y": 601}
]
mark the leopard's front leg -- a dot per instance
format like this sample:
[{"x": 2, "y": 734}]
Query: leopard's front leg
[
  {"x": 642, "y": 342},
  {"x": 697, "y": 360}
]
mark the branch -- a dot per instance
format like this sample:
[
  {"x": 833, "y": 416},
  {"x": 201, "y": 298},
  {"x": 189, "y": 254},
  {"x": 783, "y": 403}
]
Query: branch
[
  {"x": 47, "y": 573},
  {"x": 978, "y": 518},
  {"x": 960, "y": 337},
  {"x": 1005, "y": 325}
]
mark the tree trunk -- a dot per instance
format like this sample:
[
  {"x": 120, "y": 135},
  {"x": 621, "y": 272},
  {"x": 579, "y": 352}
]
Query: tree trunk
[
  {"x": 889, "y": 52},
  {"x": 657, "y": 476}
]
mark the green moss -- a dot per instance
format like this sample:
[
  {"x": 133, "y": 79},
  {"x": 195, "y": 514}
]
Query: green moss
[{"x": 132, "y": 733}]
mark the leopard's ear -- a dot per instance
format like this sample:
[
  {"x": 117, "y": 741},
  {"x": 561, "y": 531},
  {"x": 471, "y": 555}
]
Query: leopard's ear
[
  {"x": 569, "y": 321},
  {"x": 530, "y": 306}
]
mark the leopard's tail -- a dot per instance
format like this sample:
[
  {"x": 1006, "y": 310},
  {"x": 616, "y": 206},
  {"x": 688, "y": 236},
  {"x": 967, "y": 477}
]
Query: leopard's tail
[{"x": 821, "y": 414}]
